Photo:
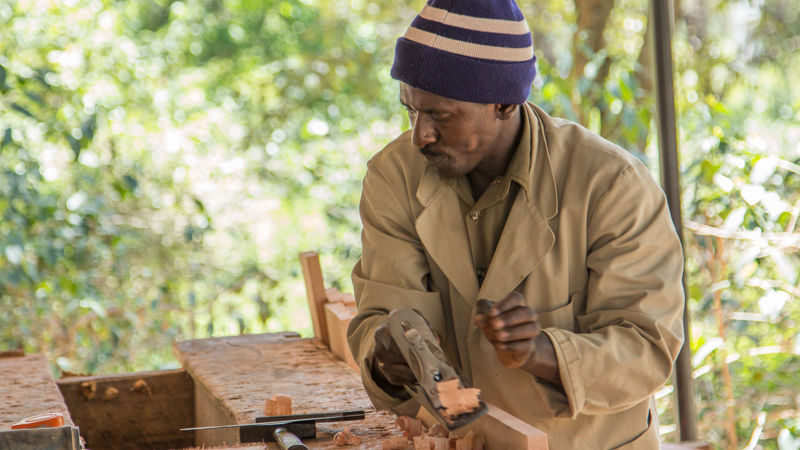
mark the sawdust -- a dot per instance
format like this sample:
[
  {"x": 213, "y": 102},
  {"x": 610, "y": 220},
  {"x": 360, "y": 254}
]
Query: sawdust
[
  {"x": 110, "y": 394},
  {"x": 141, "y": 386},
  {"x": 345, "y": 437},
  {"x": 411, "y": 427}
]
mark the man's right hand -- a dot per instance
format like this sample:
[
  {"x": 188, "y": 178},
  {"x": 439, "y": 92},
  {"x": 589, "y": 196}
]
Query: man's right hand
[{"x": 388, "y": 365}]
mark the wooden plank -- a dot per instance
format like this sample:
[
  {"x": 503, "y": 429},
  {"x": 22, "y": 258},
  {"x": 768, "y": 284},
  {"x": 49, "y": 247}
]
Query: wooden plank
[
  {"x": 27, "y": 388},
  {"x": 241, "y": 372},
  {"x": 315, "y": 291},
  {"x": 500, "y": 430},
  {"x": 132, "y": 410},
  {"x": 338, "y": 317}
]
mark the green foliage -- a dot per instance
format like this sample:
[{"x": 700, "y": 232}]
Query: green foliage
[{"x": 163, "y": 162}]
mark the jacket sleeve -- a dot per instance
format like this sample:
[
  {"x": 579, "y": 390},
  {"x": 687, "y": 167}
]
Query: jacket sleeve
[
  {"x": 392, "y": 273},
  {"x": 629, "y": 336}
]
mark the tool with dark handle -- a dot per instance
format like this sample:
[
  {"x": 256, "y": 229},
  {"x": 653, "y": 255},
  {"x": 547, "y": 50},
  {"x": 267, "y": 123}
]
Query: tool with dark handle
[
  {"x": 287, "y": 441},
  {"x": 303, "y": 426}
]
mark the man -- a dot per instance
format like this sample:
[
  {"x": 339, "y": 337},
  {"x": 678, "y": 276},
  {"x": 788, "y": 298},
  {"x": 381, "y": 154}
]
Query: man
[{"x": 566, "y": 235}]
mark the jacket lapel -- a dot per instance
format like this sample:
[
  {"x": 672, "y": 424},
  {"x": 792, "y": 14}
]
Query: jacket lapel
[
  {"x": 441, "y": 228},
  {"x": 527, "y": 236}
]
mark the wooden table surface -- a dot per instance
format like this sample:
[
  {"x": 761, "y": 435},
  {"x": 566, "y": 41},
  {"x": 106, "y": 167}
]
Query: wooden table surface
[
  {"x": 235, "y": 375},
  {"x": 27, "y": 389}
]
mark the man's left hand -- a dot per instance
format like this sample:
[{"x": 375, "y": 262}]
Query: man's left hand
[{"x": 512, "y": 327}]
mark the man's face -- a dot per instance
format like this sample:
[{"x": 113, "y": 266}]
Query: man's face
[{"x": 454, "y": 136}]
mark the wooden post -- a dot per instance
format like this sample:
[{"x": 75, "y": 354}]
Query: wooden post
[
  {"x": 315, "y": 290},
  {"x": 661, "y": 14}
]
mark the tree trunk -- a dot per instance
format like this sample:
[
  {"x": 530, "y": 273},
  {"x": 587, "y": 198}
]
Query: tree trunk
[{"x": 592, "y": 17}]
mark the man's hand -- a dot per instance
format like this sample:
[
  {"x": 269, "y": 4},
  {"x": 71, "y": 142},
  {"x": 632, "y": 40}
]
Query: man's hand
[
  {"x": 512, "y": 327},
  {"x": 389, "y": 369}
]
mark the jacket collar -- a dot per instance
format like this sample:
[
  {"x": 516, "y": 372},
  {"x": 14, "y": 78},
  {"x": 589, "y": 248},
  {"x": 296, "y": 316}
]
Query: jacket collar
[{"x": 525, "y": 240}]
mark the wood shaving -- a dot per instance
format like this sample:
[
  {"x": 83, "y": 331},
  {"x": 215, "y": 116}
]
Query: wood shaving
[{"x": 457, "y": 400}]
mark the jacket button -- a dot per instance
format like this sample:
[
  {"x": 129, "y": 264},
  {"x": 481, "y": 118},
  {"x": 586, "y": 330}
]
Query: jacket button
[{"x": 474, "y": 215}]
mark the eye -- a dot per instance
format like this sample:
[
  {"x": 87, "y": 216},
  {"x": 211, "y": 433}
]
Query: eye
[{"x": 440, "y": 117}]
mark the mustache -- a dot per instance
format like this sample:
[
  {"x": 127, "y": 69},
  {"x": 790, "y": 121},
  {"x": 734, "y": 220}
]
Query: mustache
[{"x": 428, "y": 151}]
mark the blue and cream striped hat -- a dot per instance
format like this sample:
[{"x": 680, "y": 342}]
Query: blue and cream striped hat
[{"x": 477, "y": 51}]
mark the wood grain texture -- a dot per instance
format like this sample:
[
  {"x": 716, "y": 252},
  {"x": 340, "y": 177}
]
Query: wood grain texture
[
  {"x": 147, "y": 410},
  {"x": 315, "y": 290},
  {"x": 27, "y": 388},
  {"x": 500, "y": 430},
  {"x": 241, "y": 372}
]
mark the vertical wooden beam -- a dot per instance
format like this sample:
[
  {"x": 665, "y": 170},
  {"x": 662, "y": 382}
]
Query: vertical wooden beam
[
  {"x": 315, "y": 290},
  {"x": 661, "y": 16}
]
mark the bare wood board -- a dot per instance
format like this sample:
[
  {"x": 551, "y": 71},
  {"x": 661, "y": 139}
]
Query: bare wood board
[
  {"x": 146, "y": 411},
  {"x": 27, "y": 388}
]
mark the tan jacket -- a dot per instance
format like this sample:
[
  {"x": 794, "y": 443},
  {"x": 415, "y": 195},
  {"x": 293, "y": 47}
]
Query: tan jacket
[{"x": 591, "y": 247}]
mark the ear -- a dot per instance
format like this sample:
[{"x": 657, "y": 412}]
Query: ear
[{"x": 505, "y": 112}]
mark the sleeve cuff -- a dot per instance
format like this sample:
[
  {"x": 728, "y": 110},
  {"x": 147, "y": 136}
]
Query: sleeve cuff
[{"x": 567, "y": 358}]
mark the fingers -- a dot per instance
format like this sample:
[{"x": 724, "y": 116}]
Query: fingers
[
  {"x": 388, "y": 359},
  {"x": 527, "y": 331},
  {"x": 509, "y": 312},
  {"x": 397, "y": 373}
]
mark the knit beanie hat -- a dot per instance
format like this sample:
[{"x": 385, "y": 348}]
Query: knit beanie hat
[{"x": 477, "y": 51}]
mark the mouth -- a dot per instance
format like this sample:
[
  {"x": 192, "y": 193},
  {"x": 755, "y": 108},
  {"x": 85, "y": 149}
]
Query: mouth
[{"x": 432, "y": 156}]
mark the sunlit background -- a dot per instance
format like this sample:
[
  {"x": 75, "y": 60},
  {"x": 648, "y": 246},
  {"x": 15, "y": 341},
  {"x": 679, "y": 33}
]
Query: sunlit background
[{"x": 163, "y": 162}]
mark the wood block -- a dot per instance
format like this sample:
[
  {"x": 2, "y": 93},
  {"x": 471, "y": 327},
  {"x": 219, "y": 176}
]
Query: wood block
[
  {"x": 134, "y": 410},
  {"x": 499, "y": 429},
  {"x": 278, "y": 405},
  {"x": 394, "y": 443},
  {"x": 338, "y": 317},
  {"x": 315, "y": 290}
]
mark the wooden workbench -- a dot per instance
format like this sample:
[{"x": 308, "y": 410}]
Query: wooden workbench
[
  {"x": 233, "y": 377},
  {"x": 27, "y": 389}
]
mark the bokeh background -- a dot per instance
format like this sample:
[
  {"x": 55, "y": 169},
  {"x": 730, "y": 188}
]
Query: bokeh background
[{"x": 163, "y": 162}]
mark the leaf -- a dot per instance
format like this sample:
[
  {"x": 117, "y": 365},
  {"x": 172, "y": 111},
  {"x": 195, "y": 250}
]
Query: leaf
[
  {"x": 75, "y": 145},
  {"x": 130, "y": 182},
  {"x": 35, "y": 97},
  {"x": 20, "y": 109},
  {"x": 3, "y": 73},
  {"x": 89, "y": 126},
  {"x": 7, "y": 138}
]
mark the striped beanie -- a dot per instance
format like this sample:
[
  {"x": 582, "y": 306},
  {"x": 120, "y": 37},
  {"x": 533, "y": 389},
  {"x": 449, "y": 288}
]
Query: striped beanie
[{"x": 477, "y": 51}]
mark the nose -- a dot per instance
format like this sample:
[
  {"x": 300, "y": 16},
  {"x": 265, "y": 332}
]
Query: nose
[{"x": 422, "y": 131}]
